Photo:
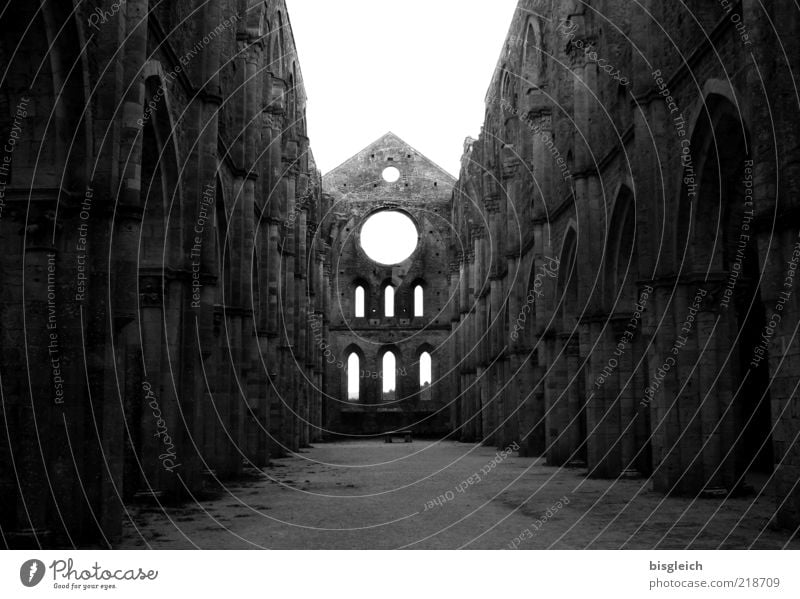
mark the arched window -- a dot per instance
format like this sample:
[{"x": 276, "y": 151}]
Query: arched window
[
  {"x": 277, "y": 55},
  {"x": 568, "y": 280},
  {"x": 505, "y": 86},
  {"x": 353, "y": 377},
  {"x": 388, "y": 301},
  {"x": 223, "y": 248},
  {"x": 626, "y": 270},
  {"x": 508, "y": 94},
  {"x": 532, "y": 54},
  {"x": 425, "y": 376},
  {"x": 290, "y": 101},
  {"x": 419, "y": 296},
  {"x": 531, "y": 47},
  {"x": 389, "y": 376},
  {"x": 360, "y": 309}
]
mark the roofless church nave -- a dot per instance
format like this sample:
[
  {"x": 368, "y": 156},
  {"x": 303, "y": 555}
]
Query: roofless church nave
[{"x": 603, "y": 307}]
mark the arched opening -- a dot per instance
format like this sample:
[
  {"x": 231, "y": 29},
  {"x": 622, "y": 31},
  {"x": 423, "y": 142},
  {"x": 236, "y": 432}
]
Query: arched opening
[
  {"x": 507, "y": 90},
  {"x": 277, "y": 53},
  {"x": 623, "y": 108},
  {"x": 566, "y": 426},
  {"x": 291, "y": 103},
  {"x": 156, "y": 198},
  {"x": 623, "y": 445},
  {"x": 160, "y": 236},
  {"x": 425, "y": 376},
  {"x": 389, "y": 376},
  {"x": 360, "y": 302},
  {"x": 568, "y": 282},
  {"x": 223, "y": 241},
  {"x": 532, "y": 54},
  {"x": 419, "y": 299},
  {"x": 720, "y": 242},
  {"x": 388, "y": 301},
  {"x": 622, "y": 271},
  {"x": 353, "y": 377},
  {"x": 259, "y": 277}
]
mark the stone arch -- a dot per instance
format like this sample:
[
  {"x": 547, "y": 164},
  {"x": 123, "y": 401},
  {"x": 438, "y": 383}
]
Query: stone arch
[
  {"x": 222, "y": 245},
  {"x": 162, "y": 297},
  {"x": 278, "y": 47},
  {"x": 532, "y": 53},
  {"x": 726, "y": 403},
  {"x": 567, "y": 286},
  {"x": 505, "y": 82},
  {"x": 160, "y": 185},
  {"x": 719, "y": 89},
  {"x": 538, "y": 290},
  {"x": 259, "y": 281},
  {"x": 620, "y": 442},
  {"x": 44, "y": 112},
  {"x": 565, "y": 420},
  {"x": 291, "y": 101},
  {"x": 424, "y": 360},
  {"x": 390, "y": 362},
  {"x": 362, "y": 283},
  {"x": 622, "y": 265},
  {"x": 719, "y": 146},
  {"x": 266, "y": 37},
  {"x": 48, "y": 70},
  {"x": 419, "y": 293},
  {"x": 349, "y": 376},
  {"x": 388, "y": 299}
]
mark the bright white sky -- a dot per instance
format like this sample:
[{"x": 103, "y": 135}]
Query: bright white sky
[{"x": 418, "y": 68}]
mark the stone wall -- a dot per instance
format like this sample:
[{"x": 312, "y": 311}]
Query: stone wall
[
  {"x": 629, "y": 157},
  {"x": 160, "y": 252},
  {"x": 357, "y": 190}
]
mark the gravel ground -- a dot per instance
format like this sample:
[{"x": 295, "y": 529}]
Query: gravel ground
[{"x": 373, "y": 495}]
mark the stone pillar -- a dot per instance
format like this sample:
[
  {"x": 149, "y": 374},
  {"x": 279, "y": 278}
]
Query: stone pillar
[{"x": 201, "y": 257}]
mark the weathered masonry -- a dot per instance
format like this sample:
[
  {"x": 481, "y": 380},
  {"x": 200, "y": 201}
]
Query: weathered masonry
[
  {"x": 159, "y": 204},
  {"x": 641, "y": 301},
  {"x": 388, "y": 323},
  {"x": 611, "y": 282}
]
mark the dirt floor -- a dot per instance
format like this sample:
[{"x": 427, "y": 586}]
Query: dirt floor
[{"x": 447, "y": 495}]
